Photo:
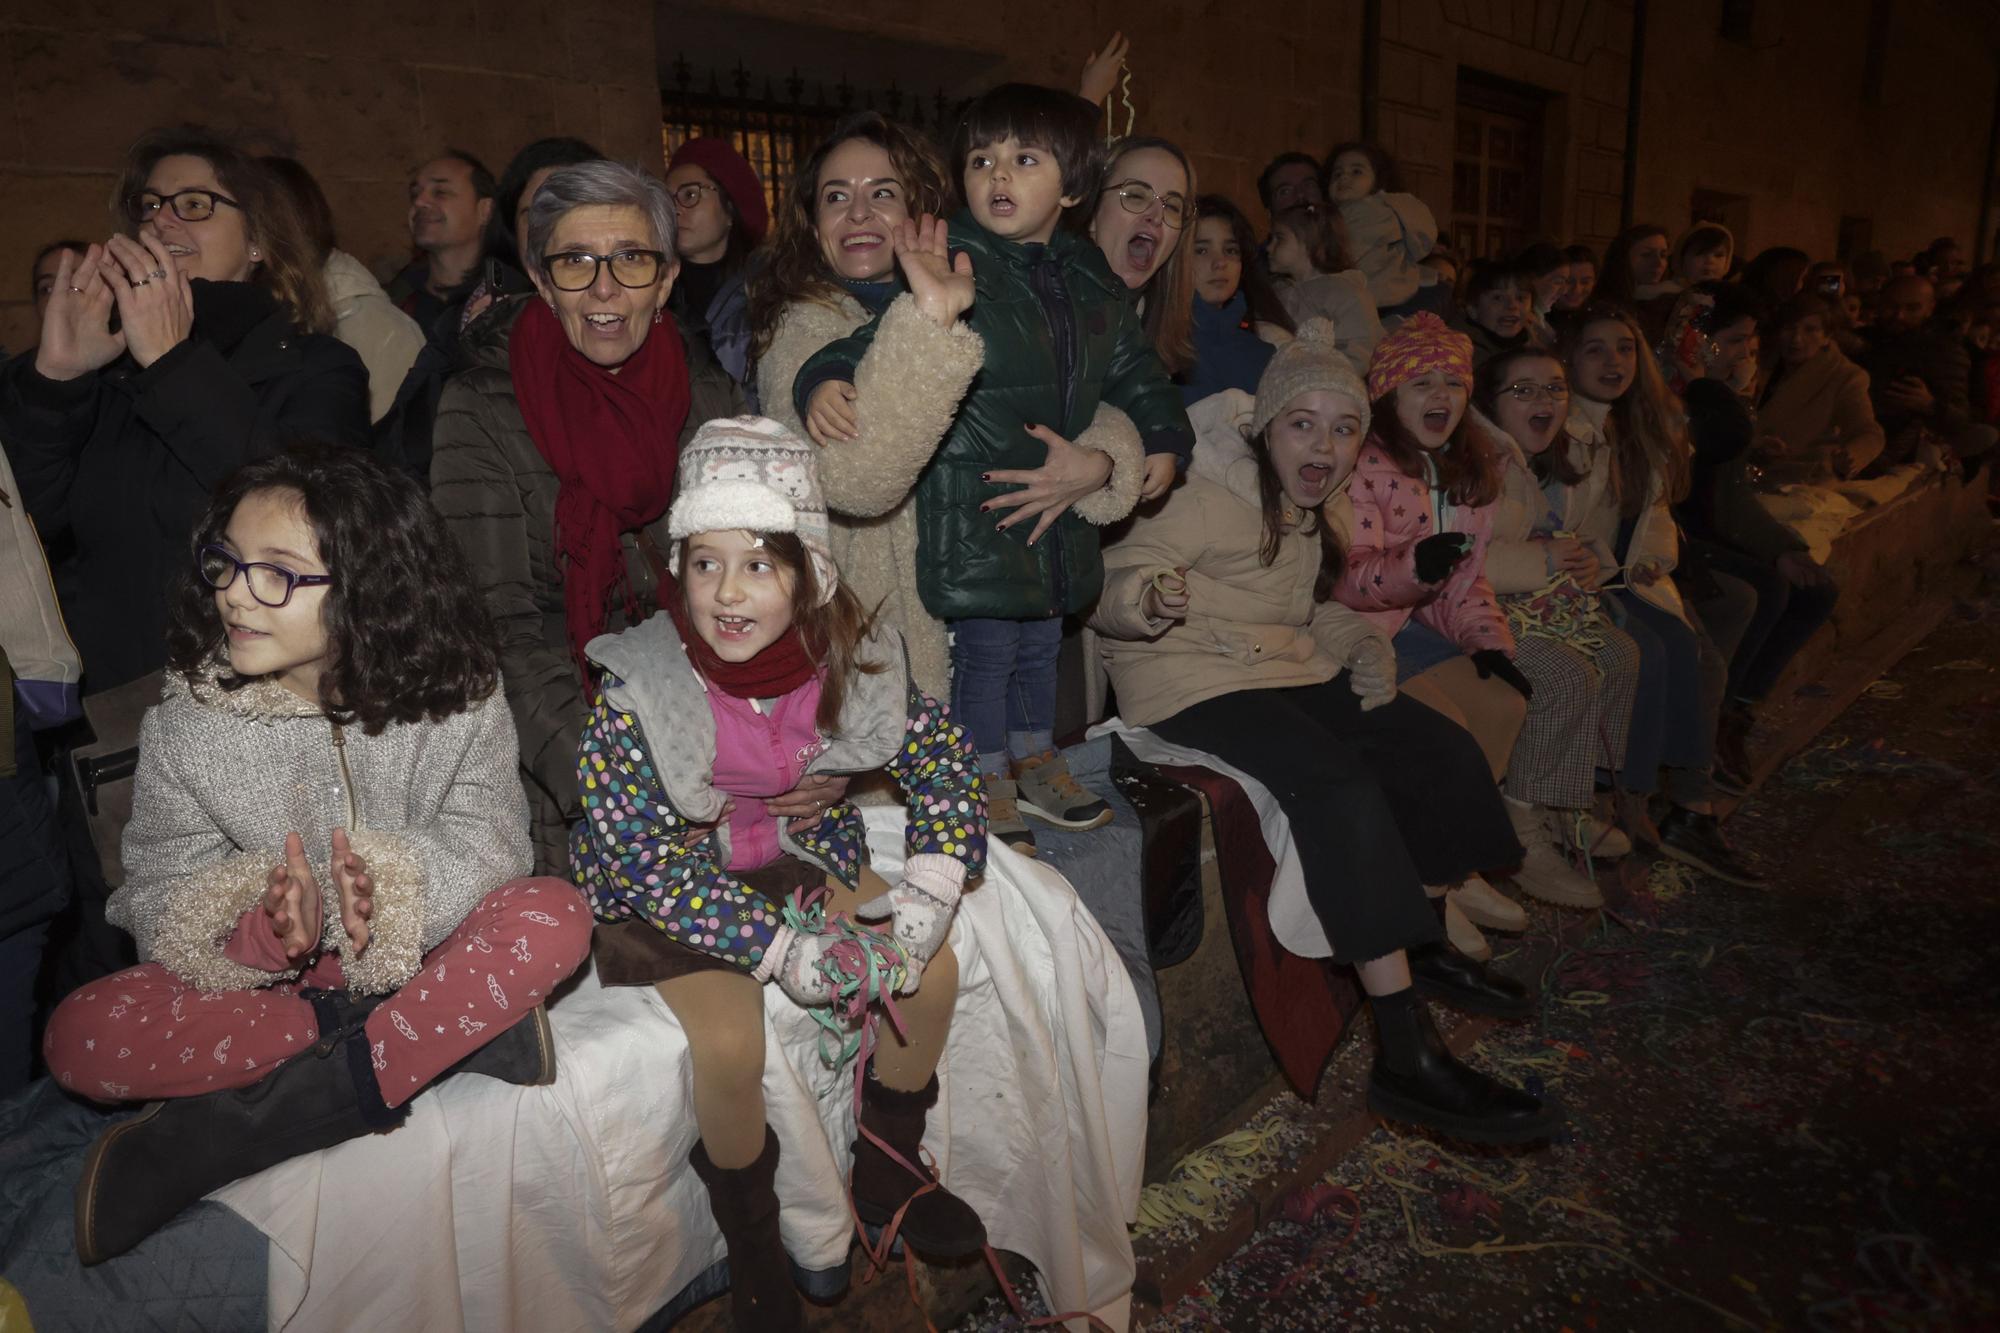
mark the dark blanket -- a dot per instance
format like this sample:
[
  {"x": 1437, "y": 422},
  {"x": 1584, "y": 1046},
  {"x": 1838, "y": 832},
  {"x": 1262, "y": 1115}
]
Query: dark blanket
[{"x": 205, "y": 1270}]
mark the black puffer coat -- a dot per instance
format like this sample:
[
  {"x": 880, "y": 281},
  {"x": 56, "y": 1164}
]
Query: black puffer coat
[{"x": 117, "y": 465}]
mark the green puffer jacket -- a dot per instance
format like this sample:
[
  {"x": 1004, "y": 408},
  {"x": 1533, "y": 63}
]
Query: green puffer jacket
[{"x": 1061, "y": 335}]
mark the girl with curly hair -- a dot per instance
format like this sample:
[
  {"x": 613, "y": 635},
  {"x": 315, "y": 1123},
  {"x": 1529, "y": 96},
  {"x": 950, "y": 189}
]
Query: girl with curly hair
[{"x": 325, "y": 864}]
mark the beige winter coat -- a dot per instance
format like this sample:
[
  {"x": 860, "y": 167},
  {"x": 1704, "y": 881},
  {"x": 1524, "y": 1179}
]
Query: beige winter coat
[
  {"x": 386, "y": 339},
  {"x": 1249, "y": 625},
  {"x": 1514, "y": 562},
  {"x": 1819, "y": 407},
  {"x": 1656, "y": 539},
  {"x": 907, "y": 390},
  {"x": 1344, "y": 299},
  {"x": 435, "y": 809}
]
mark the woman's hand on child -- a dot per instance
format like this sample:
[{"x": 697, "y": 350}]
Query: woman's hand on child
[
  {"x": 806, "y": 804},
  {"x": 1166, "y": 597},
  {"x": 830, "y": 415},
  {"x": 76, "y": 326},
  {"x": 1071, "y": 473},
  {"x": 291, "y": 900},
  {"x": 941, "y": 284},
  {"x": 356, "y": 888},
  {"x": 1101, "y": 69},
  {"x": 1159, "y": 476},
  {"x": 1371, "y": 671}
]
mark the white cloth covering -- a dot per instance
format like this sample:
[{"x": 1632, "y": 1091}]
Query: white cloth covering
[
  {"x": 572, "y": 1206},
  {"x": 1293, "y": 920}
]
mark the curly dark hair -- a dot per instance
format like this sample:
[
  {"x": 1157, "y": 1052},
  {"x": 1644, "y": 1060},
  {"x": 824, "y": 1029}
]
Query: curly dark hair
[
  {"x": 796, "y": 269},
  {"x": 411, "y": 639}
]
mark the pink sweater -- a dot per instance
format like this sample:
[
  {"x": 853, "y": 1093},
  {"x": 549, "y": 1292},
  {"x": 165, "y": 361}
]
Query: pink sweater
[
  {"x": 1392, "y": 513},
  {"x": 758, "y": 755}
]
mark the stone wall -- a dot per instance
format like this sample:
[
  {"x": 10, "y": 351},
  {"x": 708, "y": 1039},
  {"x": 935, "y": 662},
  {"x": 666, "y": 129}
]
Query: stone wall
[
  {"x": 1787, "y": 120},
  {"x": 361, "y": 91}
]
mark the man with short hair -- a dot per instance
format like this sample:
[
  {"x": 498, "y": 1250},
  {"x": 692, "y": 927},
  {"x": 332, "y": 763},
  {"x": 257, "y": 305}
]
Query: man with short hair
[
  {"x": 1290, "y": 179},
  {"x": 1918, "y": 373},
  {"x": 451, "y": 198}
]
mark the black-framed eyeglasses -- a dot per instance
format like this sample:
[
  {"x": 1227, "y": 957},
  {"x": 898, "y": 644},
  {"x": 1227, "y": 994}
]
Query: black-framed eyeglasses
[
  {"x": 577, "y": 270},
  {"x": 1555, "y": 391},
  {"x": 188, "y": 205},
  {"x": 273, "y": 585},
  {"x": 689, "y": 195},
  {"x": 1139, "y": 197}
]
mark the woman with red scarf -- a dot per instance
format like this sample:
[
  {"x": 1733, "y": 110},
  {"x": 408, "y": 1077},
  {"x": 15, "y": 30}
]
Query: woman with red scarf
[{"x": 554, "y": 461}]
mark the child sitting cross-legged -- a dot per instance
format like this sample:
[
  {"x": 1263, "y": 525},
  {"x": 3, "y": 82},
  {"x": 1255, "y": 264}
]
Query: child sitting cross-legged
[
  {"x": 325, "y": 867},
  {"x": 766, "y": 669}
]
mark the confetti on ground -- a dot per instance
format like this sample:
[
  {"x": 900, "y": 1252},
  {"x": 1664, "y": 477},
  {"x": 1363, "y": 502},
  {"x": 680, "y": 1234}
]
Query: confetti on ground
[{"x": 1779, "y": 1103}]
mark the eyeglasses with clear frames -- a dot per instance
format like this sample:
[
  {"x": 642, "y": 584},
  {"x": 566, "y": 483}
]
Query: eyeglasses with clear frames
[
  {"x": 1139, "y": 197},
  {"x": 1556, "y": 391},
  {"x": 272, "y": 585},
  {"x": 577, "y": 270},
  {"x": 188, "y": 205}
]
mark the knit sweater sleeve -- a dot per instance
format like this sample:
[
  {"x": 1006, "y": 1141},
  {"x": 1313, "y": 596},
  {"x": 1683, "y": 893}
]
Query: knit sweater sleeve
[
  {"x": 430, "y": 876},
  {"x": 638, "y": 859}
]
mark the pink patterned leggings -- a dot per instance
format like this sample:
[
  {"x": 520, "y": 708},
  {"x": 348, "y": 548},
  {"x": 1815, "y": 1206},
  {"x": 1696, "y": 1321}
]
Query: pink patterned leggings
[{"x": 144, "y": 1033}]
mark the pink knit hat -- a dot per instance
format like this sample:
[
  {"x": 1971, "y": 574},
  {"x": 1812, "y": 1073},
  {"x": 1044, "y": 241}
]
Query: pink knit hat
[
  {"x": 734, "y": 175},
  {"x": 1421, "y": 344}
]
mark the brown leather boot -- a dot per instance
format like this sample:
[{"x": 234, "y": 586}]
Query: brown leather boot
[
  {"x": 939, "y": 1224},
  {"x": 762, "y": 1298}
]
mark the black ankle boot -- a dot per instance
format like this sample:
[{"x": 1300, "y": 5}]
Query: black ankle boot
[
  {"x": 524, "y": 1055},
  {"x": 1417, "y": 1080},
  {"x": 1441, "y": 972},
  {"x": 1732, "y": 770},
  {"x": 762, "y": 1298},
  {"x": 143, "y": 1171},
  {"x": 939, "y": 1224},
  {"x": 1698, "y": 840}
]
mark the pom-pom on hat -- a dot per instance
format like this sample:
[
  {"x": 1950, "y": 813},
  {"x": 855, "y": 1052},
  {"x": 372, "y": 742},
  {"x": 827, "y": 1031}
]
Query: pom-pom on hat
[
  {"x": 1312, "y": 361},
  {"x": 736, "y": 177},
  {"x": 1421, "y": 344},
  {"x": 752, "y": 474}
]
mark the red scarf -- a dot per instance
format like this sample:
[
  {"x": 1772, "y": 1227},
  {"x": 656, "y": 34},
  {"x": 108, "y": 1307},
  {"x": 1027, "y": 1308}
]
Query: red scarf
[
  {"x": 612, "y": 441},
  {"x": 780, "y": 668}
]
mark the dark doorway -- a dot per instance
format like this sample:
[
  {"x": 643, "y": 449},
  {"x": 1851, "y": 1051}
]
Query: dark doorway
[{"x": 1496, "y": 172}]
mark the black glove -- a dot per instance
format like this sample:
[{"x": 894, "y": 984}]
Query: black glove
[
  {"x": 1493, "y": 662},
  {"x": 1438, "y": 554}
]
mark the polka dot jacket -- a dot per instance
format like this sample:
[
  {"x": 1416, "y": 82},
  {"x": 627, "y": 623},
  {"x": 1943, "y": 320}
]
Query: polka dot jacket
[{"x": 638, "y": 854}]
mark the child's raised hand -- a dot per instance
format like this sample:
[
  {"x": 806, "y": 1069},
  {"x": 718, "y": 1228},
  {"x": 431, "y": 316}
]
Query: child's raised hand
[
  {"x": 830, "y": 415},
  {"x": 941, "y": 284},
  {"x": 1101, "y": 69},
  {"x": 1070, "y": 473},
  {"x": 291, "y": 900},
  {"x": 356, "y": 888},
  {"x": 1158, "y": 476}
]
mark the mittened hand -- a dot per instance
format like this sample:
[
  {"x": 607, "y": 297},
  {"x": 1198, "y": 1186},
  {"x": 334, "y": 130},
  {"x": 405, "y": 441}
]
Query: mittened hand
[
  {"x": 922, "y": 907},
  {"x": 1492, "y": 662},
  {"x": 1371, "y": 672},
  {"x": 797, "y": 972},
  {"x": 1438, "y": 554}
]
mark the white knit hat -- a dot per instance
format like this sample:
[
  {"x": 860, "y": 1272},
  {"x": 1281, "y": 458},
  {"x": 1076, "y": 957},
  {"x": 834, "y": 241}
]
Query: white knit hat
[
  {"x": 751, "y": 474},
  {"x": 1313, "y": 360}
]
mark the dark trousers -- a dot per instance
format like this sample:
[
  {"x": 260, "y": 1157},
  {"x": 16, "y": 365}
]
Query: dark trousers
[
  {"x": 1674, "y": 708},
  {"x": 1381, "y": 802},
  {"x": 1786, "y": 618}
]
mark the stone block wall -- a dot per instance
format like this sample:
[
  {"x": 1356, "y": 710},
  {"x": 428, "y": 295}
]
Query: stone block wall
[{"x": 360, "y": 91}]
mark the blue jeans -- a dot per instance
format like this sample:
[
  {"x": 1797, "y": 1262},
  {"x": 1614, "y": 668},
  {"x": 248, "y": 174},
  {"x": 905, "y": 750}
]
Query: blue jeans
[{"x": 1003, "y": 685}]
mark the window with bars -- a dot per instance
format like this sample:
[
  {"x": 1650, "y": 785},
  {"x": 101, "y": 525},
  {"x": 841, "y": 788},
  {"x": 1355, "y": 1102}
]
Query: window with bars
[{"x": 777, "y": 126}]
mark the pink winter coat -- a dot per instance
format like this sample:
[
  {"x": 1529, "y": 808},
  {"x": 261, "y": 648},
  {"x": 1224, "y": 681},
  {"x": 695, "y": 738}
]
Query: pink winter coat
[{"x": 1391, "y": 513}]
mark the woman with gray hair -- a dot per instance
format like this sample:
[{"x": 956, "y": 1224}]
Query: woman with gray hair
[{"x": 554, "y": 457}]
